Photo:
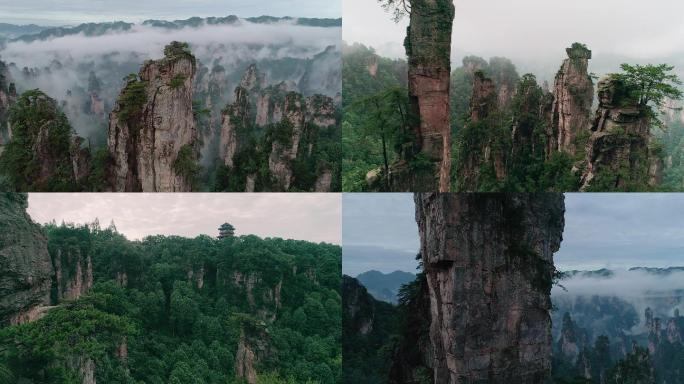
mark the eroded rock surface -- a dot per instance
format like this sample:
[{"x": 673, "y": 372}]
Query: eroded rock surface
[
  {"x": 151, "y": 122},
  {"x": 488, "y": 261},
  {"x": 428, "y": 47},
  {"x": 294, "y": 118},
  {"x": 24, "y": 261},
  {"x": 573, "y": 93},
  {"x": 617, "y": 152}
]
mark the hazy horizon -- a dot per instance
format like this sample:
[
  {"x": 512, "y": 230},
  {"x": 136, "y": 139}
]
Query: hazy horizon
[
  {"x": 302, "y": 216},
  {"x": 602, "y": 230},
  {"x": 73, "y": 12}
]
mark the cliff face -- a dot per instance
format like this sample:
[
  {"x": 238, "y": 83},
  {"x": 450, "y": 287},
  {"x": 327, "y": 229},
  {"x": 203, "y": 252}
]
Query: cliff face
[
  {"x": 236, "y": 118},
  {"x": 151, "y": 122},
  {"x": 357, "y": 307},
  {"x": 24, "y": 261},
  {"x": 488, "y": 261},
  {"x": 284, "y": 152},
  {"x": 294, "y": 122},
  {"x": 573, "y": 93},
  {"x": 428, "y": 47},
  {"x": 617, "y": 152},
  {"x": 483, "y": 103},
  {"x": 7, "y": 98},
  {"x": 73, "y": 272}
]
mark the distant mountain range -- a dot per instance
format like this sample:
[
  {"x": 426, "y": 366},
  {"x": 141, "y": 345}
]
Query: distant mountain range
[
  {"x": 385, "y": 287},
  {"x": 32, "y": 32}
]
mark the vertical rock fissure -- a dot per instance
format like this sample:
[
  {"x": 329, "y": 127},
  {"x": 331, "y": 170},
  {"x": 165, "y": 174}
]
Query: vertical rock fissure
[
  {"x": 488, "y": 260},
  {"x": 428, "y": 47}
]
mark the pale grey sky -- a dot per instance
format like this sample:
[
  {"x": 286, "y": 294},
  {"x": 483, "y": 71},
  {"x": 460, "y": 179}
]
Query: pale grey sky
[
  {"x": 314, "y": 217},
  {"x": 602, "y": 230},
  {"x": 534, "y": 33},
  {"x": 61, "y": 12}
]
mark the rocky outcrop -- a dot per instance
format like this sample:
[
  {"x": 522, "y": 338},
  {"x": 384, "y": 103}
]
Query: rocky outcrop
[
  {"x": 483, "y": 103},
  {"x": 568, "y": 344},
  {"x": 488, "y": 261},
  {"x": 245, "y": 361},
  {"x": 428, "y": 48},
  {"x": 358, "y": 307},
  {"x": 151, "y": 122},
  {"x": 24, "y": 261},
  {"x": 617, "y": 152},
  {"x": 8, "y": 95},
  {"x": 533, "y": 107},
  {"x": 483, "y": 100},
  {"x": 237, "y": 118},
  {"x": 73, "y": 272},
  {"x": 58, "y": 155},
  {"x": 573, "y": 93},
  {"x": 268, "y": 302},
  {"x": 292, "y": 120},
  {"x": 285, "y": 150}
]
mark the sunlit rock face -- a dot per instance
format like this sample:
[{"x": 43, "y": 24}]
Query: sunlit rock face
[
  {"x": 488, "y": 260},
  {"x": 152, "y": 120}
]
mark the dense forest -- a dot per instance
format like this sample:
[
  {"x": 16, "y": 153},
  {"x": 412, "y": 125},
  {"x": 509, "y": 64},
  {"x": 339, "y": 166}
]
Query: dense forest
[
  {"x": 514, "y": 132},
  {"x": 168, "y": 309}
]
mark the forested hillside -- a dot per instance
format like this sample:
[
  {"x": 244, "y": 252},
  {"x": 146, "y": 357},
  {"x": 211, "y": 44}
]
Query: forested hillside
[
  {"x": 515, "y": 132},
  {"x": 168, "y": 309}
]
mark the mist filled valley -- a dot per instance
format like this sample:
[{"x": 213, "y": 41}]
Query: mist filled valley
[{"x": 253, "y": 91}]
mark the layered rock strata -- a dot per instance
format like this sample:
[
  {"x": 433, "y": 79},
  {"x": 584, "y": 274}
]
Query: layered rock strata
[
  {"x": 617, "y": 153},
  {"x": 428, "y": 47},
  {"x": 573, "y": 93},
  {"x": 26, "y": 268},
  {"x": 151, "y": 122},
  {"x": 488, "y": 260}
]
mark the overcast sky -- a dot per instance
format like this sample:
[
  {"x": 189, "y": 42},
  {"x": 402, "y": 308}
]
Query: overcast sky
[
  {"x": 62, "y": 12},
  {"x": 534, "y": 33},
  {"x": 302, "y": 216},
  {"x": 602, "y": 230}
]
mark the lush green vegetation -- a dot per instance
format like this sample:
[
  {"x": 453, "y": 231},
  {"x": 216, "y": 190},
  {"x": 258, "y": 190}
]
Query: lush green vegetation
[
  {"x": 186, "y": 165},
  {"x": 507, "y": 149},
  {"x": 374, "y": 113},
  {"x": 180, "y": 307},
  {"x": 40, "y": 131}
]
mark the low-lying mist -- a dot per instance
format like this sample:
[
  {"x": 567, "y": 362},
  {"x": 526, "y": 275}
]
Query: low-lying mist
[
  {"x": 62, "y": 66},
  {"x": 605, "y": 298}
]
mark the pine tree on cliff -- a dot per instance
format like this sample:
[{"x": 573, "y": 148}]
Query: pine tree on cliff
[
  {"x": 43, "y": 152},
  {"x": 428, "y": 48}
]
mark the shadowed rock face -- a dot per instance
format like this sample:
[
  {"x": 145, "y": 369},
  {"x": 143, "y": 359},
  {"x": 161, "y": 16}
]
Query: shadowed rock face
[
  {"x": 573, "y": 93},
  {"x": 488, "y": 260},
  {"x": 24, "y": 261},
  {"x": 151, "y": 122},
  {"x": 7, "y": 98},
  {"x": 428, "y": 47},
  {"x": 617, "y": 151},
  {"x": 257, "y": 106}
]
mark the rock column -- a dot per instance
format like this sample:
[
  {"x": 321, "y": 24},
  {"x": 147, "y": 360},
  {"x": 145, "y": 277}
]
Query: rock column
[{"x": 488, "y": 260}]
